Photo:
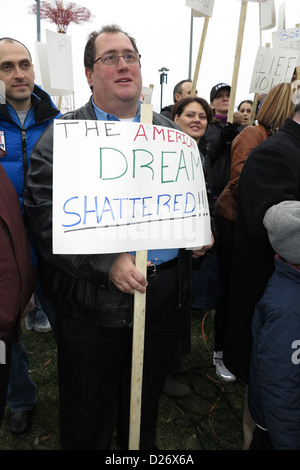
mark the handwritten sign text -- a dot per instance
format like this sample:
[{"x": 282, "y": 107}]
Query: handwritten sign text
[{"x": 121, "y": 186}]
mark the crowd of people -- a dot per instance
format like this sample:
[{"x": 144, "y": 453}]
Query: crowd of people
[{"x": 248, "y": 274}]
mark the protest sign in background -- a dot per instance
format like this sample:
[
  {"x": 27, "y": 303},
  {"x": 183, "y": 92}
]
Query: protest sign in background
[
  {"x": 287, "y": 39},
  {"x": 272, "y": 66},
  {"x": 2, "y": 352},
  {"x": 267, "y": 15}
]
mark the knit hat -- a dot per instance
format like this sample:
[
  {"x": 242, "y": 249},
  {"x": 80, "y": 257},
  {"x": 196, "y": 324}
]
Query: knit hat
[
  {"x": 282, "y": 222},
  {"x": 216, "y": 88}
]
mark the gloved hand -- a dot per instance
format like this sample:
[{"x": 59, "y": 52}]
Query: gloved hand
[{"x": 228, "y": 133}]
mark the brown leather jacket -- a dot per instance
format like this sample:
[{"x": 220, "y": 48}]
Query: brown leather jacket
[
  {"x": 16, "y": 269},
  {"x": 241, "y": 147}
]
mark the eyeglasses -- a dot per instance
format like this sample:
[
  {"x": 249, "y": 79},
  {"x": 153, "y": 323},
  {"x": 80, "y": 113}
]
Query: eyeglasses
[{"x": 112, "y": 59}]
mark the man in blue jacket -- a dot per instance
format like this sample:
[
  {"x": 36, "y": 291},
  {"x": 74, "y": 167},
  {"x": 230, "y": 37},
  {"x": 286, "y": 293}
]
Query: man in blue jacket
[{"x": 25, "y": 113}]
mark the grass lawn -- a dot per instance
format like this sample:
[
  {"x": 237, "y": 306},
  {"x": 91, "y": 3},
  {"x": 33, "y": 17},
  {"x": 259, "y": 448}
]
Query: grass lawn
[{"x": 210, "y": 418}]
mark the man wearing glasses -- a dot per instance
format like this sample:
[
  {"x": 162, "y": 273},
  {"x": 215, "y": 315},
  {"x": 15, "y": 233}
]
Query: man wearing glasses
[{"x": 93, "y": 293}]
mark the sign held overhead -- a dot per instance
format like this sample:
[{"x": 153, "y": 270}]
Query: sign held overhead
[
  {"x": 272, "y": 66},
  {"x": 204, "y": 7}
]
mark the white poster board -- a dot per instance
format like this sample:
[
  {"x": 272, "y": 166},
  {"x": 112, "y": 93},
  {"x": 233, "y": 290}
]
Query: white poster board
[
  {"x": 287, "y": 39},
  {"x": 202, "y": 7},
  {"x": 267, "y": 14},
  {"x": 53, "y": 64},
  {"x": 59, "y": 52},
  {"x": 2, "y": 92},
  {"x": 120, "y": 186},
  {"x": 272, "y": 66}
]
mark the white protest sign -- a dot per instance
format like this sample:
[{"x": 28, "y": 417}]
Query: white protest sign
[
  {"x": 267, "y": 15},
  {"x": 204, "y": 7},
  {"x": 53, "y": 64},
  {"x": 197, "y": 14},
  {"x": 287, "y": 39},
  {"x": 272, "y": 66},
  {"x": 146, "y": 95},
  {"x": 2, "y": 92},
  {"x": 123, "y": 186}
]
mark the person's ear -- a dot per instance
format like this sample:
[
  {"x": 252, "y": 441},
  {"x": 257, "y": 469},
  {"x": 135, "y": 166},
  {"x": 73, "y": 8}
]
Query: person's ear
[{"x": 88, "y": 74}]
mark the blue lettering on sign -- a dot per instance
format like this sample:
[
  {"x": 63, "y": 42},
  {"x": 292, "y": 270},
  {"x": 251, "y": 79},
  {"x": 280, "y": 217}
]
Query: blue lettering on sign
[
  {"x": 286, "y": 35},
  {"x": 93, "y": 211}
]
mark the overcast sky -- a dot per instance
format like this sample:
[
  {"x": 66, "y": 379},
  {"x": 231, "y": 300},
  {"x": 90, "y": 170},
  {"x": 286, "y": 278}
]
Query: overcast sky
[{"x": 162, "y": 31}]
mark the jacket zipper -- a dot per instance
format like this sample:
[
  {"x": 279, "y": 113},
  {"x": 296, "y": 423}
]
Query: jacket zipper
[{"x": 24, "y": 153}]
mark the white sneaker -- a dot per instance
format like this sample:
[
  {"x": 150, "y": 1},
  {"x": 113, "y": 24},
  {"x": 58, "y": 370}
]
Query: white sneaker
[
  {"x": 41, "y": 324},
  {"x": 221, "y": 370}
]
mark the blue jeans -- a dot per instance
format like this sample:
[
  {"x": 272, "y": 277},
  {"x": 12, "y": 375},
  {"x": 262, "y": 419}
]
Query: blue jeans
[{"x": 21, "y": 393}]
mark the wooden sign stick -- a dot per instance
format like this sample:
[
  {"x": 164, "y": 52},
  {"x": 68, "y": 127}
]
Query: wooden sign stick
[
  {"x": 253, "y": 110},
  {"x": 237, "y": 60},
  {"x": 255, "y": 101},
  {"x": 200, "y": 52},
  {"x": 138, "y": 333}
]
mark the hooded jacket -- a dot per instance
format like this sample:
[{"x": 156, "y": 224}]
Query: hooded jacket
[{"x": 16, "y": 143}]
